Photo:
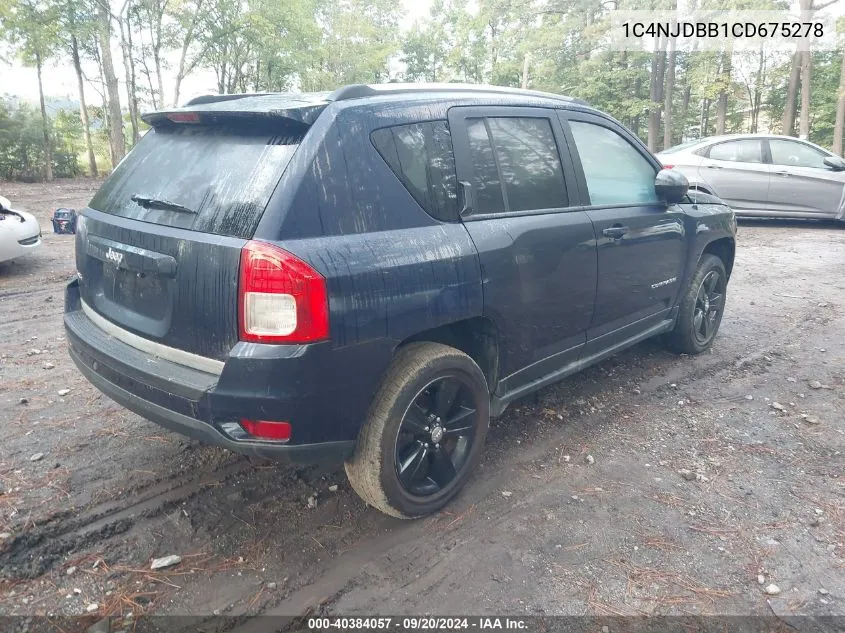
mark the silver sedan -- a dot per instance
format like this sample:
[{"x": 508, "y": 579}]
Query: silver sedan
[{"x": 764, "y": 175}]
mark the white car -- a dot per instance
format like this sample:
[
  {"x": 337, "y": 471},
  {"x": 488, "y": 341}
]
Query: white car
[{"x": 20, "y": 232}]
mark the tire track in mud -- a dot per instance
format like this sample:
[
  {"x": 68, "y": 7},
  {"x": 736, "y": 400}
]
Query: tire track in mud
[
  {"x": 33, "y": 552},
  {"x": 405, "y": 545}
]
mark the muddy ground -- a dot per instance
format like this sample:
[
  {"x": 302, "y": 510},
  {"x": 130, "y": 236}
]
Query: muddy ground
[{"x": 541, "y": 529}]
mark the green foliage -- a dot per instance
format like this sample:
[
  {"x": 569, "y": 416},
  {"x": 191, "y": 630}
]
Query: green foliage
[
  {"x": 311, "y": 45},
  {"x": 22, "y": 143}
]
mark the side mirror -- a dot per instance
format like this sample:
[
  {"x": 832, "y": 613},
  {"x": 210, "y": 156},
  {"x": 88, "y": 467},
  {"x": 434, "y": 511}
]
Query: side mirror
[
  {"x": 835, "y": 163},
  {"x": 5, "y": 205},
  {"x": 670, "y": 186}
]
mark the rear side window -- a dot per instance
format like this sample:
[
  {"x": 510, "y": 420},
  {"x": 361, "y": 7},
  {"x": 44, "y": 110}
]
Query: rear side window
[
  {"x": 516, "y": 166},
  {"x": 744, "y": 151},
  {"x": 220, "y": 177},
  {"x": 420, "y": 154}
]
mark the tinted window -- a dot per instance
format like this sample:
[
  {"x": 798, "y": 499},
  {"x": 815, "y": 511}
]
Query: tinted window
[
  {"x": 745, "y": 151},
  {"x": 615, "y": 171},
  {"x": 525, "y": 159},
  {"x": 796, "y": 154},
  {"x": 420, "y": 154},
  {"x": 529, "y": 163},
  {"x": 487, "y": 188},
  {"x": 223, "y": 175}
]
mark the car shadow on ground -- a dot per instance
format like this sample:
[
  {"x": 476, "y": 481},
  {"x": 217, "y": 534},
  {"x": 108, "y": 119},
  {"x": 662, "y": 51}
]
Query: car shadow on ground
[{"x": 20, "y": 266}]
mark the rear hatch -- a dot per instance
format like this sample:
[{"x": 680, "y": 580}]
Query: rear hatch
[{"x": 158, "y": 250}]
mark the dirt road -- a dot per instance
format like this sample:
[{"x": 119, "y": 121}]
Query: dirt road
[{"x": 649, "y": 484}]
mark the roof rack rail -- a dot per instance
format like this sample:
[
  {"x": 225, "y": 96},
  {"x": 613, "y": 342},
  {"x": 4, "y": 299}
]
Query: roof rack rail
[{"x": 360, "y": 91}]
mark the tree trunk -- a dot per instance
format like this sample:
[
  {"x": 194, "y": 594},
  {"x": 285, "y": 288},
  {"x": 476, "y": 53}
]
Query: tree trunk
[
  {"x": 705, "y": 117},
  {"x": 806, "y": 71},
  {"x": 654, "y": 95},
  {"x": 525, "y": 63},
  {"x": 83, "y": 109},
  {"x": 157, "y": 58},
  {"x": 685, "y": 111},
  {"x": 635, "y": 120},
  {"x": 45, "y": 124},
  {"x": 129, "y": 68},
  {"x": 669, "y": 93},
  {"x": 840, "y": 111},
  {"x": 722, "y": 103},
  {"x": 788, "y": 121},
  {"x": 116, "y": 139},
  {"x": 757, "y": 98}
]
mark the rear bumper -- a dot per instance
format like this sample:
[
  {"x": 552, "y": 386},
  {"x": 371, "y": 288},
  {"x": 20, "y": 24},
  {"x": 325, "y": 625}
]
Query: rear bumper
[
  {"x": 199, "y": 404},
  {"x": 207, "y": 433}
]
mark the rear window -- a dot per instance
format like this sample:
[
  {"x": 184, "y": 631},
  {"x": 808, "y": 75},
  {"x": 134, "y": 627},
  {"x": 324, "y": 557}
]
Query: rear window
[
  {"x": 420, "y": 154},
  {"x": 222, "y": 177},
  {"x": 681, "y": 147}
]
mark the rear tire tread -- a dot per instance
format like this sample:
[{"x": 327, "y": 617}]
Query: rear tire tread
[{"x": 365, "y": 469}]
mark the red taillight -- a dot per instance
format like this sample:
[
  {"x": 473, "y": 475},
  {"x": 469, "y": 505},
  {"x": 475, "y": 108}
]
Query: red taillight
[
  {"x": 184, "y": 117},
  {"x": 282, "y": 299},
  {"x": 668, "y": 167},
  {"x": 267, "y": 430}
]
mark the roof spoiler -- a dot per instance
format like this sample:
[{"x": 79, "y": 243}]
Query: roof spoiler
[{"x": 257, "y": 106}]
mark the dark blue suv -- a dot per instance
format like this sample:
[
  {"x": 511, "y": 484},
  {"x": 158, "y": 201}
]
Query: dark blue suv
[{"x": 368, "y": 275}]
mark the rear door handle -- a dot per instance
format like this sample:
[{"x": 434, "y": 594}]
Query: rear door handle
[
  {"x": 782, "y": 173},
  {"x": 713, "y": 166},
  {"x": 616, "y": 232}
]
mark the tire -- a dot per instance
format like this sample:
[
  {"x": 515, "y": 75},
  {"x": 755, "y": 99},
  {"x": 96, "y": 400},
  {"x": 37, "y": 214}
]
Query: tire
[
  {"x": 691, "y": 334},
  {"x": 393, "y": 436}
]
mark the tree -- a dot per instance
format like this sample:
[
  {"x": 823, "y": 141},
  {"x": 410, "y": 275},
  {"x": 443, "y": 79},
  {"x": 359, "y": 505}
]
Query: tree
[
  {"x": 32, "y": 29},
  {"x": 840, "y": 110},
  {"x": 124, "y": 21},
  {"x": 187, "y": 15},
  {"x": 724, "y": 83},
  {"x": 669, "y": 90},
  {"x": 83, "y": 108},
  {"x": 117, "y": 139},
  {"x": 77, "y": 21}
]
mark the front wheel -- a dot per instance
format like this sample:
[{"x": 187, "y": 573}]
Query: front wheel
[
  {"x": 701, "y": 308},
  {"x": 424, "y": 433}
]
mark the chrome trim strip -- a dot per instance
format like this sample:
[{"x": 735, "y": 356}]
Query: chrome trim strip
[{"x": 181, "y": 357}]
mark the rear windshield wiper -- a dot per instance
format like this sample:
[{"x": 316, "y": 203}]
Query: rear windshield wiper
[{"x": 148, "y": 202}]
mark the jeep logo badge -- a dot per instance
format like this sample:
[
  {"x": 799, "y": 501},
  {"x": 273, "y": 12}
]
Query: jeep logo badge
[{"x": 114, "y": 256}]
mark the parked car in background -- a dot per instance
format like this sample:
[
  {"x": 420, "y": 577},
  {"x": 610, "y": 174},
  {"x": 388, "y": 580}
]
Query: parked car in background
[
  {"x": 19, "y": 231},
  {"x": 764, "y": 175},
  {"x": 368, "y": 275},
  {"x": 64, "y": 220}
]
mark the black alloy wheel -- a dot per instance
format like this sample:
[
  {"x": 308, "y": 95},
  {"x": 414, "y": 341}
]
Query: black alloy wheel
[{"x": 435, "y": 436}]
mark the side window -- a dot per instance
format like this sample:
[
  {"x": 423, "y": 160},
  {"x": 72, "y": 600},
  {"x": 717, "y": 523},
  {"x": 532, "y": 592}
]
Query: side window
[
  {"x": 420, "y": 154},
  {"x": 793, "y": 154},
  {"x": 515, "y": 164},
  {"x": 487, "y": 188},
  {"x": 615, "y": 171},
  {"x": 744, "y": 151},
  {"x": 529, "y": 163}
]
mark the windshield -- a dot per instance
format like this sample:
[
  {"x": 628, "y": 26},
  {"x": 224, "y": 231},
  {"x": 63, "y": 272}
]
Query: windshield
[{"x": 224, "y": 176}]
